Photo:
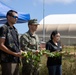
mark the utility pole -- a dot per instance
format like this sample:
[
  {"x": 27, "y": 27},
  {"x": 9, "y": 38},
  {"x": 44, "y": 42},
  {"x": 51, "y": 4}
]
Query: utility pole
[{"x": 43, "y": 20}]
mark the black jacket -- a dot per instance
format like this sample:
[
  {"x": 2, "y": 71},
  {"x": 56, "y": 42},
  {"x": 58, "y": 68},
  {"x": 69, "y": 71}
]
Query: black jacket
[{"x": 52, "y": 47}]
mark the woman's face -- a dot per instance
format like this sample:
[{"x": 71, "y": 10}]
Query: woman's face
[{"x": 56, "y": 37}]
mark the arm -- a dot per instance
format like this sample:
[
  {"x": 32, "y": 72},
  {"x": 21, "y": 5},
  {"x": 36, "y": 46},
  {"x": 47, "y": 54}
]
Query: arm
[
  {"x": 24, "y": 42},
  {"x": 48, "y": 46},
  {"x": 3, "y": 31},
  {"x": 6, "y": 50}
]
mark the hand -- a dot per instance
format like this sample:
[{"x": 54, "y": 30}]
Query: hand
[
  {"x": 21, "y": 51},
  {"x": 37, "y": 51},
  {"x": 43, "y": 49},
  {"x": 17, "y": 54}
]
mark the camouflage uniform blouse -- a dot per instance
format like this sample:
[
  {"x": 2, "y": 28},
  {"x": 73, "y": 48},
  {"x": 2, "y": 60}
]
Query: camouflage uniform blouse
[
  {"x": 10, "y": 35},
  {"x": 29, "y": 42}
]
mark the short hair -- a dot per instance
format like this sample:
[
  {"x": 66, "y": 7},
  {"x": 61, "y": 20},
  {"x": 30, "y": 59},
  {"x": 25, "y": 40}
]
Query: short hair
[
  {"x": 53, "y": 34},
  {"x": 10, "y": 12}
]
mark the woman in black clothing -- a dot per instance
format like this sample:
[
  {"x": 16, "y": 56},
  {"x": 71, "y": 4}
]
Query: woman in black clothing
[{"x": 54, "y": 64}]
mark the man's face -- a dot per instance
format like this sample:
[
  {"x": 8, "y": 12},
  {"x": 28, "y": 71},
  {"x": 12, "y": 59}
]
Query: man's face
[
  {"x": 13, "y": 18},
  {"x": 33, "y": 27}
]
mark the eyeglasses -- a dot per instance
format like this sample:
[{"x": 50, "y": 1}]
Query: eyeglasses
[{"x": 13, "y": 16}]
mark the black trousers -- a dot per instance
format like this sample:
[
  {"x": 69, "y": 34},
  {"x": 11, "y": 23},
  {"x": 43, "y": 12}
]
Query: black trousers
[{"x": 10, "y": 68}]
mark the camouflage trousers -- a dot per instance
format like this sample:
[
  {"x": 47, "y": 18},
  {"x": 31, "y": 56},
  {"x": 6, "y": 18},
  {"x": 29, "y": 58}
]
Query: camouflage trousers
[{"x": 28, "y": 69}]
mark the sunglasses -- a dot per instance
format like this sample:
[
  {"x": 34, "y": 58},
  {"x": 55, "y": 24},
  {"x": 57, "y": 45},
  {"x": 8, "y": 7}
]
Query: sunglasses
[{"x": 13, "y": 16}]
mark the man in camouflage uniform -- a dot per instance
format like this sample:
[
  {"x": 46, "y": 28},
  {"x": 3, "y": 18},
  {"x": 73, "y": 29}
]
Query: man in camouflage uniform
[{"x": 30, "y": 41}]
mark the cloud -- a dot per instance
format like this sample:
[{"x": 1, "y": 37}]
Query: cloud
[{"x": 58, "y": 1}]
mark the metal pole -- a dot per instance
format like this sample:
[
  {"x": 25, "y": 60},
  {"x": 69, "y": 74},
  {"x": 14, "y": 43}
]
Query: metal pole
[{"x": 43, "y": 20}]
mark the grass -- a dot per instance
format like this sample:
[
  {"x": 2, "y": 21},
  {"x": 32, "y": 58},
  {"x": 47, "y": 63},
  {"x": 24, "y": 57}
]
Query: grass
[{"x": 68, "y": 62}]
